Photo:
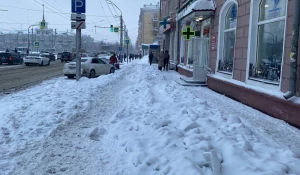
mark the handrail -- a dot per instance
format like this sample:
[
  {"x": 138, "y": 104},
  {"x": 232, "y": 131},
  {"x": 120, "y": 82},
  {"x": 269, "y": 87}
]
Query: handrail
[{"x": 209, "y": 69}]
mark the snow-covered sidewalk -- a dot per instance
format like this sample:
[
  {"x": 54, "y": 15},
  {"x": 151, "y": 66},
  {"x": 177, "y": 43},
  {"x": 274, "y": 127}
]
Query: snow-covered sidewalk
[{"x": 139, "y": 121}]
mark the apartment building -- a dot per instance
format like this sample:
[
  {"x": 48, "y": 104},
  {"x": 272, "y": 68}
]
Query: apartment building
[{"x": 148, "y": 25}]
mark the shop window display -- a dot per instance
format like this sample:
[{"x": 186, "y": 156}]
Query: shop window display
[
  {"x": 226, "y": 62},
  {"x": 270, "y": 36}
]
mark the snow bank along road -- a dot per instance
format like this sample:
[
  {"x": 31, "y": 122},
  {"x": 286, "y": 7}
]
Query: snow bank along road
[
  {"x": 139, "y": 121},
  {"x": 12, "y": 77}
]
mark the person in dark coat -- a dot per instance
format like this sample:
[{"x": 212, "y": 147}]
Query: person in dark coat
[
  {"x": 166, "y": 60},
  {"x": 161, "y": 60},
  {"x": 151, "y": 57}
]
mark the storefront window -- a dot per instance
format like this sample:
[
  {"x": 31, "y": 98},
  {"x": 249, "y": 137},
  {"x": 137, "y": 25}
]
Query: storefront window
[
  {"x": 270, "y": 9},
  {"x": 270, "y": 36},
  {"x": 226, "y": 62}
]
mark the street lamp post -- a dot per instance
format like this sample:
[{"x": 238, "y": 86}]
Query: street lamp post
[
  {"x": 121, "y": 22},
  {"x": 28, "y": 37}
]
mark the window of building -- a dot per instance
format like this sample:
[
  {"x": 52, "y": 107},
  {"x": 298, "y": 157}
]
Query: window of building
[
  {"x": 182, "y": 47},
  {"x": 266, "y": 64},
  {"x": 227, "y": 37},
  {"x": 190, "y": 48}
]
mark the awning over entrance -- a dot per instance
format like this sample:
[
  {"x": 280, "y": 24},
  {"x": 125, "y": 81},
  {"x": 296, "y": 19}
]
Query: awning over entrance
[{"x": 198, "y": 8}]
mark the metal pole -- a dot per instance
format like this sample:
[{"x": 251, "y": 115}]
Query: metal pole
[
  {"x": 28, "y": 40},
  {"x": 78, "y": 57},
  {"x": 294, "y": 53},
  {"x": 55, "y": 40},
  {"x": 121, "y": 37},
  {"x": 31, "y": 39}
]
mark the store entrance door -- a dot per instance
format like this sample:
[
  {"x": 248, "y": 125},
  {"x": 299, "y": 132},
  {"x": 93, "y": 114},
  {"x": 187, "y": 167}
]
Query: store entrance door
[{"x": 200, "y": 49}]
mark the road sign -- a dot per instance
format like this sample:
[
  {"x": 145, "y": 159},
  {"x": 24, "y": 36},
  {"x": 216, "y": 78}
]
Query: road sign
[
  {"x": 188, "y": 33},
  {"x": 116, "y": 29},
  {"x": 43, "y": 24},
  {"x": 78, "y": 25},
  {"x": 127, "y": 41},
  {"x": 78, "y": 17},
  {"x": 36, "y": 44},
  {"x": 78, "y": 6}
]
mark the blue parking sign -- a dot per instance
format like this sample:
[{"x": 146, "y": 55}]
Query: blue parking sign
[
  {"x": 78, "y": 6},
  {"x": 36, "y": 44}
]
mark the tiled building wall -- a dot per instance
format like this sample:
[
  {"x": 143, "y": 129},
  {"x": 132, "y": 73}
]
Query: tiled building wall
[
  {"x": 288, "y": 40},
  {"x": 214, "y": 33},
  {"x": 241, "y": 45}
]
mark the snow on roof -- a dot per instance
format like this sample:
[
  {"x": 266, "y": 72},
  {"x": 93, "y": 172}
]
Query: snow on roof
[{"x": 200, "y": 5}]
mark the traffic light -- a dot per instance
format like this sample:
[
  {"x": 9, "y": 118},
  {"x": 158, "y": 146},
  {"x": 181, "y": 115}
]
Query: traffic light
[{"x": 111, "y": 28}]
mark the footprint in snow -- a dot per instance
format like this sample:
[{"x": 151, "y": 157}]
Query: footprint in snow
[{"x": 96, "y": 133}]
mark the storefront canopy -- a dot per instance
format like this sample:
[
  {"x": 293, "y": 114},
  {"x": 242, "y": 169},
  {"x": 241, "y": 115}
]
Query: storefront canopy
[{"x": 197, "y": 8}]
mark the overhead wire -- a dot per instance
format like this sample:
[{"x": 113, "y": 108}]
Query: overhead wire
[
  {"x": 51, "y": 9},
  {"x": 13, "y": 7}
]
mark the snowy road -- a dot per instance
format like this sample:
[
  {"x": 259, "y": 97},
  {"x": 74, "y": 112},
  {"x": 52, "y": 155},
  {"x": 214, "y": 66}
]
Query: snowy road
[{"x": 139, "y": 121}]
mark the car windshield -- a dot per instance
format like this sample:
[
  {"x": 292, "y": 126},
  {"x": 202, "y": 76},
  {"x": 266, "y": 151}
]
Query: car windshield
[
  {"x": 34, "y": 54},
  {"x": 4, "y": 54},
  {"x": 82, "y": 60},
  {"x": 66, "y": 53}
]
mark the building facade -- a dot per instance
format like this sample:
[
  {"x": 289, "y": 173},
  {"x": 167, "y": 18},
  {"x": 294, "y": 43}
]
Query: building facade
[
  {"x": 148, "y": 25},
  {"x": 242, "y": 49}
]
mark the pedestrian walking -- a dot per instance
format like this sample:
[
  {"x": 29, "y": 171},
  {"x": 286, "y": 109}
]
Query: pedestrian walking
[
  {"x": 166, "y": 60},
  {"x": 161, "y": 60},
  {"x": 151, "y": 57},
  {"x": 113, "y": 60}
]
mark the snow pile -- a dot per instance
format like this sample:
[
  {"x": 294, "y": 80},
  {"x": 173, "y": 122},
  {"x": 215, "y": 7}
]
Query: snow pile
[
  {"x": 27, "y": 117},
  {"x": 164, "y": 129}
]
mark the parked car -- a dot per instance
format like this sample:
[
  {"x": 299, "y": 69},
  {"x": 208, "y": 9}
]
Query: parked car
[
  {"x": 66, "y": 56},
  {"x": 82, "y": 55},
  {"x": 90, "y": 67},
  {"x": 48, "y": 55},
  {"x": 10, "y": 58},
  {"x": 59, "y": 56},
  {"x": 36, "y": 58}
]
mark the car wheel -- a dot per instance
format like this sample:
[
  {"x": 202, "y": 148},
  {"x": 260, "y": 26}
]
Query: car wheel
[
  {"x": 26, "y": 64},
  {"x": 61, "y": 60},
  {"x": 71, "y": 77},
  {"x": 112, "y": 70},
  {"x": 0, "y": 63},
  {"x": 48, "y": 63},
  {"x": 42, "y": 63},
  {"x": 92, "y": 74}
]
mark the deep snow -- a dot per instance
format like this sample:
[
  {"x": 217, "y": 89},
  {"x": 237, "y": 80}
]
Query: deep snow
[{"x": 139, "y": 121}]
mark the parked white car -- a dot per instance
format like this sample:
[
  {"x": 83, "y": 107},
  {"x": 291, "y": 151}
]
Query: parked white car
[
  {"x": 36, "y": 58},
  {"x": 90, "y": 67}
]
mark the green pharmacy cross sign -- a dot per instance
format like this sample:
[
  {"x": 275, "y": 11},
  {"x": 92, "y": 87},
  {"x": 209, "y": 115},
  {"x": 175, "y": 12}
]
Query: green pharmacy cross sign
[
  {"x": 164, "y": 23},
  {"x": 188, "y": 33}
]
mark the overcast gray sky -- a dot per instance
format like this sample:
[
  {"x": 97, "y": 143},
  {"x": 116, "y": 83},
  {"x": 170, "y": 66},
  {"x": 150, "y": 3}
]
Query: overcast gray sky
[{"x": 22, "y": 13}]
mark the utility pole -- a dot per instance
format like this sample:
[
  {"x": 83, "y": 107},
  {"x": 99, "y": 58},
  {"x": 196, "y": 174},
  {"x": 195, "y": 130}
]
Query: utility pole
[
  {"x": 31, "y": 39},
  {"x": 55, "y": 39},
  {"x": 121, "y": 28}
]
